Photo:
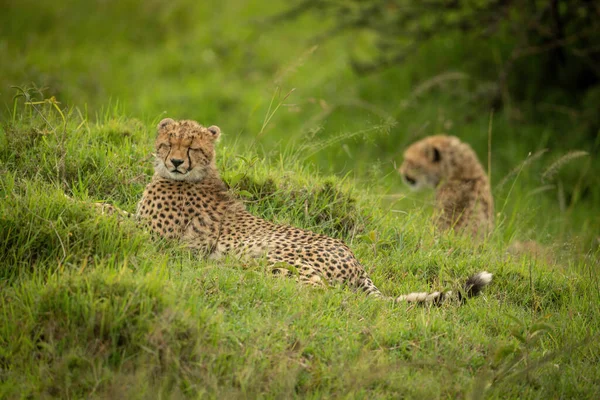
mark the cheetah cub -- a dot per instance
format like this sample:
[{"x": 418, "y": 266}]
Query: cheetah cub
[
  {"x": 188, "y": 201},
  {"x": 463, "y": 196}
]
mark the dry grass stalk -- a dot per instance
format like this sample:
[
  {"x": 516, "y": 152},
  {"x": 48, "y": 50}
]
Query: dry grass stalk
[
  {"x": 516, "y": 170},
  {"x": 553, "y": 169}
]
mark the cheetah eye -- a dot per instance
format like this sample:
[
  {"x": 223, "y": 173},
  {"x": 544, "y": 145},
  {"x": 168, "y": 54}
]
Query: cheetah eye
[{"x": 164, "y": 146}]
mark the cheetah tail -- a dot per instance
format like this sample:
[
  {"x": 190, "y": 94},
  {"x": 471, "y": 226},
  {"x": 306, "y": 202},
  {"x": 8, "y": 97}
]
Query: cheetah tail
[{"x": 472, "y": 287}]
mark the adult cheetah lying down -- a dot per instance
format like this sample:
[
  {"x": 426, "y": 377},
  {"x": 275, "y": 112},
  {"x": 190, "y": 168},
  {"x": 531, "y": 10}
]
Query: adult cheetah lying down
[
  {"x": 187, "y": 200},
  {"x": 464, "y": 199}
]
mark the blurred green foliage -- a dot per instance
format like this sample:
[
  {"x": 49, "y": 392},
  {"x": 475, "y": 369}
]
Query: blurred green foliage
[
  {"x": 293, "y": 84},
  {"x": 543, "y": 51}
]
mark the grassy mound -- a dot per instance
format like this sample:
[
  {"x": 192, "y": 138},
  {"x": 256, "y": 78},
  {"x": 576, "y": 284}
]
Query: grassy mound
[{"x": 95, "y": 306}]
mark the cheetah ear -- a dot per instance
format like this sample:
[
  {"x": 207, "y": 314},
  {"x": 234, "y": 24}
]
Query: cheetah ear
[
  {"x": 165, "y": 122},
  {"x": 215, "y": 131},
  {"x": 436, "y": 156}
]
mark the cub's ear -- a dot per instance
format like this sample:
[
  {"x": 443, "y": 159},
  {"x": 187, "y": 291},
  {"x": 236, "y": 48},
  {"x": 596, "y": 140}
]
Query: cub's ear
[
  {"x": 215, "y": 131},
  {"x": 164, "y": 123},
  {"x": 436, "y": 156}
]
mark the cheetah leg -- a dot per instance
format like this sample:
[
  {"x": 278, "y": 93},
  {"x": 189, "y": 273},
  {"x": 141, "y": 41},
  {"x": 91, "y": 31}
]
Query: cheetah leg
[
  {"x": 366, "y": 284},
  {"x": 109, "y": 209},
  {"x": 306, "y": 274},
  {"x": 312, "y": 279},
  {"x": 309, "y": 275},
  {"x": 106, "y": 208},
  {"x": 281, "y": 272}
]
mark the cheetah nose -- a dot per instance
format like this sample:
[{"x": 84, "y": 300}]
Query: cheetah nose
[
  {"x": 409, "y": 180},
  {"x": 176, "y": 162}
]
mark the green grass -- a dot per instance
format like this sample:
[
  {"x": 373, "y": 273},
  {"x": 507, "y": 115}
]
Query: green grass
[{"x": 94, "y": 306}]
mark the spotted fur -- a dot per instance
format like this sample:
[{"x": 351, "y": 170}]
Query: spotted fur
[
  {"x": 187, "y": 200},
  {"x": 464, "y": 199}
]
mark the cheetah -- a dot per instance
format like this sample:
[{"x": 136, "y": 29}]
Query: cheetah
[
  {"x": 464, "y": 199},
  {"x": 187, "y": 200}
]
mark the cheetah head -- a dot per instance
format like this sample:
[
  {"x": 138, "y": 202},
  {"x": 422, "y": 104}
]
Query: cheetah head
[
  {"x": 425, "y": 162},
  {"x": 185, "y": 149}
]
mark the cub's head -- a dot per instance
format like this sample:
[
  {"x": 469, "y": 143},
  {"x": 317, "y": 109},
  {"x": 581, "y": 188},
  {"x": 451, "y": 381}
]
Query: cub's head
[
  {"x": 185, "y": 149},
  {"x": 426, "y": 161}
]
